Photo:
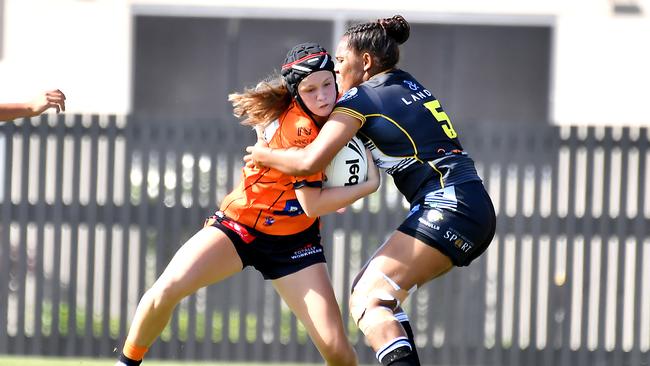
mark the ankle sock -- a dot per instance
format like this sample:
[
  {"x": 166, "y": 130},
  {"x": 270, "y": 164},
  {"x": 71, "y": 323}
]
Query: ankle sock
[
  {"x": 125, "y": 361},
  {"x": 395, "y": 349},
  {"x": 132, "y": 355}
]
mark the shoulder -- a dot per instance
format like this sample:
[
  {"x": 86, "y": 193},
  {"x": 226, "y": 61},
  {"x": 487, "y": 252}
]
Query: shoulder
[
  {"x": 295, "y": 117},
  {"x": 356, "y": 102},
  {"x": 296, "y": 129},
  {"x": 355, "y": 97}
]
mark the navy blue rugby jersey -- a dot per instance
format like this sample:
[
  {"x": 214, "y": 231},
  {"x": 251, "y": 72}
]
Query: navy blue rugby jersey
[{"x": 408, "y": 133}]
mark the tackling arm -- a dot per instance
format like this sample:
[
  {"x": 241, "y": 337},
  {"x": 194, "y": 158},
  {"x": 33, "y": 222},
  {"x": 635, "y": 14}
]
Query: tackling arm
[{"x": 336, "y": 132}]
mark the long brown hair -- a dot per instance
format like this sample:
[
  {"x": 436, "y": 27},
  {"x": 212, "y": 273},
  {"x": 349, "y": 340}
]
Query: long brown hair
[
  {"x": 380, "y": 38},
  {"x": 263, "y": 103}
]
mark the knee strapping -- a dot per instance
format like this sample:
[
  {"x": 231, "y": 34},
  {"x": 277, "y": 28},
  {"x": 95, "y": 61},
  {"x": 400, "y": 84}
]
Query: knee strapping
[{"x": 374, "y": 299}]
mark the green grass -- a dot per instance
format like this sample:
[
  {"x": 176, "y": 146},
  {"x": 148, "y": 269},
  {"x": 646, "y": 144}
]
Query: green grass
[{"x": 39, "y": 361}]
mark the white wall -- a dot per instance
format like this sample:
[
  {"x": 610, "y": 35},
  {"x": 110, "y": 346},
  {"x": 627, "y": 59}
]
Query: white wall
[
  {"x": 602, "y": 71},
  {"x": 81, "y": 47},
  {"x": 600, "y": 62}
]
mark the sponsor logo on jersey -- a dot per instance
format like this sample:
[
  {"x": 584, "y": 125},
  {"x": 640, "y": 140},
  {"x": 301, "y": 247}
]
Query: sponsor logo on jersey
[
  {"x": 349, "y": 94},
  {"x": 301, "y": 142},
  {"x": 291, "y": 208},
  {"x": 411, "y": 84},
  {"x": 304, "y": 131},
  {"x": 415, "y": 97}
]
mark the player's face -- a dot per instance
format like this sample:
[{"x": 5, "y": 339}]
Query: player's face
[
  {"x": 318, "y": 92},
  {"x": 349, "y": 66}
]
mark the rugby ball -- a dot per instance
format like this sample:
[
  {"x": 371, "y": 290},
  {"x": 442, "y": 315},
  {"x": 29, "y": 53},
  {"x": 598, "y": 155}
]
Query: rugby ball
[{"x": 348, "y": 167}]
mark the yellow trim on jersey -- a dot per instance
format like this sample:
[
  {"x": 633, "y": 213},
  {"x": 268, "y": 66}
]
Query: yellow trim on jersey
[
  {"x": 442, "y": 184},
  {"x": 415, "y": 149},
  {"x": 350, "y": 112}
]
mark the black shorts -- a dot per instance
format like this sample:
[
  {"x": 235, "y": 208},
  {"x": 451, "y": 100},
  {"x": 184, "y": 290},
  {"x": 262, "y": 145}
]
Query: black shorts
[
  {"x": 274, "y": 256},
  {"x": 457, "y": 220}
]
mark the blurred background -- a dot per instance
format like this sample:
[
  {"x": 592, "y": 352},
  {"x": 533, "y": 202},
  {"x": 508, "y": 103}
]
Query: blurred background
[
  {"x": 550, "y": 61},
  {"x": 548, "y": 96}
]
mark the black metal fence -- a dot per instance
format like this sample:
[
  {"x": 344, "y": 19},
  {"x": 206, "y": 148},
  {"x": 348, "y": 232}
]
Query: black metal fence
[{"x": 93, "y": 207}]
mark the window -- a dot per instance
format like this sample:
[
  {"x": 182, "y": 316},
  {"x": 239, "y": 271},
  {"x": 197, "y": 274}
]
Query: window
[
  {"x": 186, "y": 67},
  {"x": 483, "y": 72}
]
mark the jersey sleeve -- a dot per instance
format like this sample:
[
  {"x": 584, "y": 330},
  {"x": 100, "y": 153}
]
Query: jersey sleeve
[
  {"x": 300, "y": 134},
  {"x": 355, "y": 103}
]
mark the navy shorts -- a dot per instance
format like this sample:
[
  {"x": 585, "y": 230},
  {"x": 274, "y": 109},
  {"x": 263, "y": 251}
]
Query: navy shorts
[
  {"x": 457, "y": 220},
  {"x": 274, "y": 256}
]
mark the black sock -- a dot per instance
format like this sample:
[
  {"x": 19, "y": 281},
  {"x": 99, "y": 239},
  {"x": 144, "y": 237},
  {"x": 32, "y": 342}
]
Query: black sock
[
  {"x": 409, "y": 333},
  {"x": 128, "y": 362},
  {"x": 404, "y": 320},
  {"x": 402, "y": 356}
]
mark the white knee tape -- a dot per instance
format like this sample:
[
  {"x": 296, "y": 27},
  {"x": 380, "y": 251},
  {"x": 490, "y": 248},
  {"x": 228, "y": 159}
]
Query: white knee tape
[
  {"x": 375, "y": 317},
  {"x": 374, "y": 299}
]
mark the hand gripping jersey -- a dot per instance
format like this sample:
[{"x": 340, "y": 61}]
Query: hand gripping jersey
[
  {"x": 265, "y": 200},
  {"x": 408, "y": 133}
]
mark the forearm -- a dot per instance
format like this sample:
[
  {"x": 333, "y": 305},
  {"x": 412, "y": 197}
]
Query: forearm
[
  {"x": 291, "y": 161},
  {"x": 334, "y": 198},
  {"x": 312, "y": 158},
  {"x": 15, "y": 110}
]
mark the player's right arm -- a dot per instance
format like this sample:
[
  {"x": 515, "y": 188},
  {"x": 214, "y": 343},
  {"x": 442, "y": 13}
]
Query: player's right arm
[{"x": 318, "y": 202}]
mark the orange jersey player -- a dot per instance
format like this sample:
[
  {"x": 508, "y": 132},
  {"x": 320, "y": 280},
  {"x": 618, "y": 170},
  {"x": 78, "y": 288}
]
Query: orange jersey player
[
  {"x": 266, "y": 199},
  {"x": 270, "y": 221}
]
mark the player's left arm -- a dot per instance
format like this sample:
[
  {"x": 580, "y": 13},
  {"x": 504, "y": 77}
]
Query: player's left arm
[
  {"x": 313, "y": 158},
  {"x": 318, "y": 202}
]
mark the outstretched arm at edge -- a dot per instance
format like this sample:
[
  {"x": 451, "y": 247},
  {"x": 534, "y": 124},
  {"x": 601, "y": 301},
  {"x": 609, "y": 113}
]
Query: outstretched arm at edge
[{"x": 51, "y": 99}]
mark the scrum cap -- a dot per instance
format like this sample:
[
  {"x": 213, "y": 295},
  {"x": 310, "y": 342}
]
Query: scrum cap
[{"x": 301, "y": 61}]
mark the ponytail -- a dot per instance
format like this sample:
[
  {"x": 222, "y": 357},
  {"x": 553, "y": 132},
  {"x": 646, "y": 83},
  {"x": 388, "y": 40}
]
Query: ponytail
[{"x": 262, "y": 104}]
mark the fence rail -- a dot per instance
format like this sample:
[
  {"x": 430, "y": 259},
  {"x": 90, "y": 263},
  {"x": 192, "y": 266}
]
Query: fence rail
[{"x": 93, "y": 207}]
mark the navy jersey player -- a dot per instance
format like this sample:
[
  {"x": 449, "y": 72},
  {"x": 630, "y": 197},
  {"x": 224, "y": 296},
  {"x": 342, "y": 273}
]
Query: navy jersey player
[
  {"x": 394, "y": 111},
  {"x": 451, "y": 220}
]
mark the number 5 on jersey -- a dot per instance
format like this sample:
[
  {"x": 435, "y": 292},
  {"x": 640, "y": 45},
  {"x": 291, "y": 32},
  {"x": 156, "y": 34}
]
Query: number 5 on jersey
[{"x": 441, "y": 117}]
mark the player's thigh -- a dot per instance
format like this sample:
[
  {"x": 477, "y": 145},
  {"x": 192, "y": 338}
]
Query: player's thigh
[
  {"x": 310, "y": 296},
  {"x": 408, "y": 261},
  {"x": 207, "y": 257}
]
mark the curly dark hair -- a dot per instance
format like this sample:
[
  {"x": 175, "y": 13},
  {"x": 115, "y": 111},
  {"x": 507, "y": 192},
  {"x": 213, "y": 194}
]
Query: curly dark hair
[{"x": 380, "y": 38}]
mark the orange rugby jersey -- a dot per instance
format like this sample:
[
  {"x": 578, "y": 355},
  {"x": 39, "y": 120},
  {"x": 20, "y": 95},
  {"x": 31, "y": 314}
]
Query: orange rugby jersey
[{"x": 265, "y": 200}]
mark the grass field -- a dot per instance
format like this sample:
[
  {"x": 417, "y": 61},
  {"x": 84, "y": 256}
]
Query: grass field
[{"x": 37, "y": 361}]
